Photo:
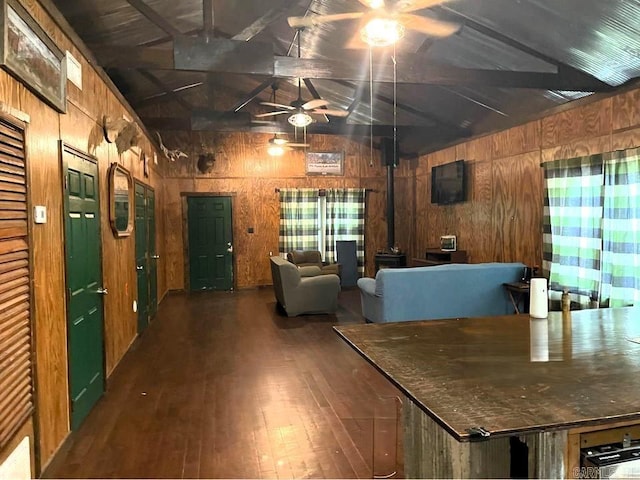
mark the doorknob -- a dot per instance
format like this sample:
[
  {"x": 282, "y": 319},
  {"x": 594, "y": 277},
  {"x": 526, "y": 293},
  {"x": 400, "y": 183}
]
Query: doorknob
[
  {"x": 230, "y": 249},
  {"x": 102, "y": 291},
  {"x": 139, "y": 267},
  {"x": 155, "y": 257}
]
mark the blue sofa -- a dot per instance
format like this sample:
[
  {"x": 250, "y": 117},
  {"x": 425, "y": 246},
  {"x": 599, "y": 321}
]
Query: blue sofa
[{"x": 443, "y": 291}]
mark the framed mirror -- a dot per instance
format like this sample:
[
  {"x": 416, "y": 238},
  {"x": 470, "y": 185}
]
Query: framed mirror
[{"x": 120, "y": 200}]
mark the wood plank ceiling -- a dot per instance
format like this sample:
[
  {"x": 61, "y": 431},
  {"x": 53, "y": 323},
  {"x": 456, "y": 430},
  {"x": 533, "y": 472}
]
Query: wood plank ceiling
[{"x": 206, "y": 64}]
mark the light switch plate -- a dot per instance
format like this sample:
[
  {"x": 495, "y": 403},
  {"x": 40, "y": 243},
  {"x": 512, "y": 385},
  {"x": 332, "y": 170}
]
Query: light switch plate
[{"x": 40, "y": 214}]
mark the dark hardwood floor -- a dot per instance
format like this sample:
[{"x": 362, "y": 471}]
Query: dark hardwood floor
[{"x": 222, "y": 385}]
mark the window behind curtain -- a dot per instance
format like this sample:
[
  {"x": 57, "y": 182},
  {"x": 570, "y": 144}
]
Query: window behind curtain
[
  {"x": 298, "y": 219},
  {"x": 345, "y": 214},
  {"x": 592, "y": 227},
  {"x": 573, "y": 226},
  {"x": 621, "y": 229},
  {"x": 312, "y": 222}
]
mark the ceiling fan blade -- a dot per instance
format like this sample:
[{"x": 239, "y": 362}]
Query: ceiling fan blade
[
  {"x": 428, "y": 26},
  {"x": 277, "y": 105},
  {"x": 270, "y": 114},
  {"x": 263, "y": 122},
  {"x": 313, "y": 104},
  {"x": 298, "y": 145},
  {"x": 332, "y": 113},
  {"x": 406, "y": 6},
  {"x": 311, "y": 20}
]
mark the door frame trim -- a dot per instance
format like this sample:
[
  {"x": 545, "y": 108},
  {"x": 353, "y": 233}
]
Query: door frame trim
[
  {"x": 146, "y": 187},
  {"x": 184, "y": 196},
  {"x": 67, "y": 148}
]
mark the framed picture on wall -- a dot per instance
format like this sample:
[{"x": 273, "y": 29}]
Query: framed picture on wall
[
  {"x": 31, "y": 56},
  {"x": 324, "y": 163}
]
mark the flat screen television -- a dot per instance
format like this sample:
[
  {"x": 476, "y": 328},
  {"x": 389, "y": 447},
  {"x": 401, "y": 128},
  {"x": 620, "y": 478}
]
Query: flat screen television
[{"x": 448, "y": 183}]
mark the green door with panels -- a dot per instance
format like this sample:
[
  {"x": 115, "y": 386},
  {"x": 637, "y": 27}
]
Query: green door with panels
[
  {"x": 142, "y": 261},
  {"x": 84, "y": 283},
  {"x": 146, "y": 257},
  {"x": 153, "y": 254},
  {"x": 210, "y": 243}
]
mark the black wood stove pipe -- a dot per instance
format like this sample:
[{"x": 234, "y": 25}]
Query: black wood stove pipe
[{"x": 391, "y": 227}]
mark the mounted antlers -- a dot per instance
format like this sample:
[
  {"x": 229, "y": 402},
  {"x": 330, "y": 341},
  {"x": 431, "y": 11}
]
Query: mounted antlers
[{"x": 122, "y": 132}]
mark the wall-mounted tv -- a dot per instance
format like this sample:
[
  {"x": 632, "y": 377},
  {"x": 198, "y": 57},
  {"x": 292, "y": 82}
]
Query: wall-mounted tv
[{"x": 448, "y": 183}]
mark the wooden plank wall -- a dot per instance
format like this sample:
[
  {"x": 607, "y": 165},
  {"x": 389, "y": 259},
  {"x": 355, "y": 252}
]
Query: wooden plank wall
[
  {"x": 502, "y": 219},
  {"x": 243, "y": 169},
  {"x": 80, "y": 128}
]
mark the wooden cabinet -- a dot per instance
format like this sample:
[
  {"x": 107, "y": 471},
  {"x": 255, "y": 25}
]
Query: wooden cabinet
[{"x": 435, "y": 256}]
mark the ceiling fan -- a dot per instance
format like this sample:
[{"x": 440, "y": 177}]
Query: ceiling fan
[
  {"x": 384, "y": 24},
  {"x": 300, "y": 110},
  {"x": 278, "y": 145}
]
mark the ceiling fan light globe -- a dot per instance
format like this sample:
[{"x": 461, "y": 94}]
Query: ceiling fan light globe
[
  {"x": 300, "y": 119},
  {"x": 382, "y": 32},
  {"x": 275, "y": 150},
  {"x": 278, "y": 141}
]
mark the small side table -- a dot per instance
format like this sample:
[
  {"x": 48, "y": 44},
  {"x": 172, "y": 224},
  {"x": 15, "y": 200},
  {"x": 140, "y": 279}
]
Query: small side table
[{"x": 519, "y": 295}]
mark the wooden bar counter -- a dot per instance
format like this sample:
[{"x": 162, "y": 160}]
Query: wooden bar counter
[{"x": 551, "y": 383}]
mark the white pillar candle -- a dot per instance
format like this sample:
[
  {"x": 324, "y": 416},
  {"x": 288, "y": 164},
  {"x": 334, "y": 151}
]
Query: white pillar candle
[{"x": 538, "y": 298}]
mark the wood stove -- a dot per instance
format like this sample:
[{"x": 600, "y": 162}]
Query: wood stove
[{"x": 390, "y": 260}]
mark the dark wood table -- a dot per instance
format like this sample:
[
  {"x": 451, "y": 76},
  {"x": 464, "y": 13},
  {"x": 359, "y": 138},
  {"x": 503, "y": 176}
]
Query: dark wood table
[{"x": 543, "y": 381}]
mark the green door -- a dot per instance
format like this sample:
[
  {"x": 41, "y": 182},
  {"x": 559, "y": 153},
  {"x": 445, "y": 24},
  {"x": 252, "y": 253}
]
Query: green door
[
  {"x": 153, "y": 254},
  {"x": 210, "y": 243},
  {"x": 146, "y": 257},
  {"x": 142, "y": 263},
  {"x": 84, "y": 283}
]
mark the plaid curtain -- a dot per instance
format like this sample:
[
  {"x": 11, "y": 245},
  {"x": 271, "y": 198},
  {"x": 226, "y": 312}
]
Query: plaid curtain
[
  {"x": 298, "y": 219},
  {"x": 572, "y": 230},
  {"x": 345, "y": 221},
  {"x": 621, "y": 229}
]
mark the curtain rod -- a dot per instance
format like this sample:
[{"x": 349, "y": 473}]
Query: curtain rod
[{"x": 277, "y": 190}]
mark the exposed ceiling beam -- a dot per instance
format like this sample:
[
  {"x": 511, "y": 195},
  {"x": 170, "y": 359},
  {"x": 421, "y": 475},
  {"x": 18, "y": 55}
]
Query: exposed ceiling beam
[
  {"x": 263, "y": 22},
  {"x": 413, "y": 69},
  {"x": 133, "y": 57},
  {"x": 154, "y": 17},
  {"x": 221, "y": 55},
  {"x": 312, "y": 89},
  {"x": 228, "y": 56},
  {"x": 315, "y": 94},
  {"x": 168, "y": 91},
  {"x": 209, "y": 120},
  {"x": 193, "y": 31},
  {"x": 164, "y": 95},
  {"x": 251, "y": 95}
]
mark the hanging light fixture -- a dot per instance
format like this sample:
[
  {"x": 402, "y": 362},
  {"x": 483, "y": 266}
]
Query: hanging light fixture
[
  {"x": 276, "y": 146},
  {"x": 382, "y": 32},
  {"x": 300, "y": 119}
]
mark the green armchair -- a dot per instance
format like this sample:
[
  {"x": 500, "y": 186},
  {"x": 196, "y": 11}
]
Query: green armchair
[
  {"x": 297, "y": 293},
  {"x": 308, "y": 258}
]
